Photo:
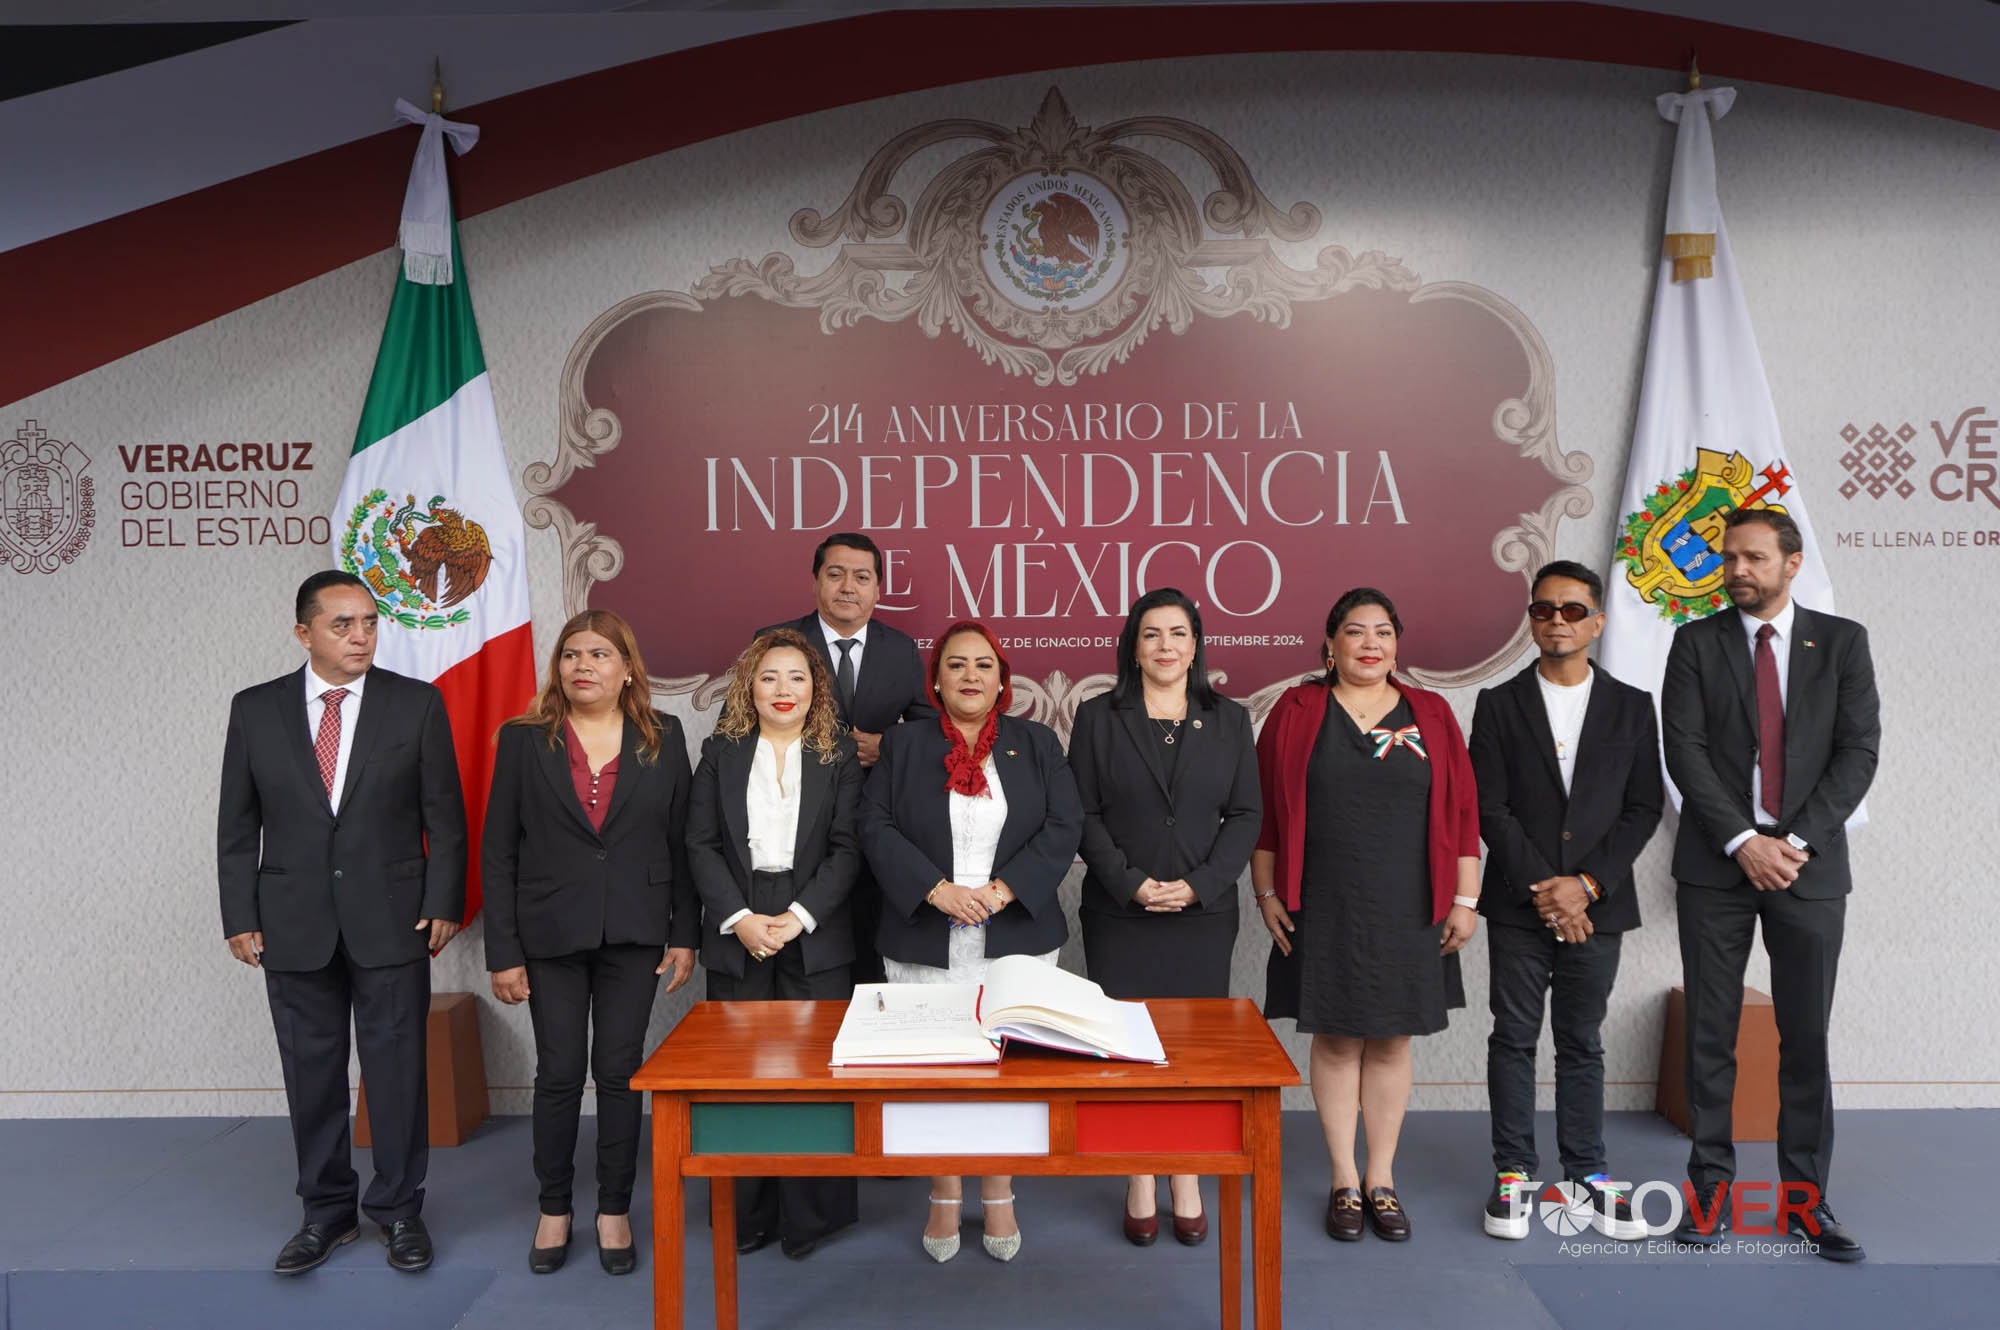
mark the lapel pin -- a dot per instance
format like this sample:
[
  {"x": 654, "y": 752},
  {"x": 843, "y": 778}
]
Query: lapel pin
[
  {"x": 1809, "y": 642},
  {"x": 1012, "y": 753}
]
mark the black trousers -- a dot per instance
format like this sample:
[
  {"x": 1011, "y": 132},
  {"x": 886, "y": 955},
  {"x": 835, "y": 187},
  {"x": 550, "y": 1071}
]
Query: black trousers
[
  {"x": 1802, "y": 937},
  {"x": 864, "y": 906},
  {"x": 389, "y": 1005},
  {"x": 1525, "y": 965},
  {"x": 607, "y": 993},
  {"x": 796, "y": 1209}
]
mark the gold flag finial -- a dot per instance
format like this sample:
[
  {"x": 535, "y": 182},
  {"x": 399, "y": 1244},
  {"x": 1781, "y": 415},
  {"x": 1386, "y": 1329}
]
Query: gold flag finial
[
  {"x": 437, "y": 87},
  {"x": 1694, "y": 69}
]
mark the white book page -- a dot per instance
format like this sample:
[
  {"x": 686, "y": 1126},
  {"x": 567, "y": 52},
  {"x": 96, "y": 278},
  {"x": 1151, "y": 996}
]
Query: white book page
[{"x": 915, "y": 1024}]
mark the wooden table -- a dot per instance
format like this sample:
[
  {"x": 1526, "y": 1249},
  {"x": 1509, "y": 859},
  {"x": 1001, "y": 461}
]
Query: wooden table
[{"x": 742, "y": 1089}]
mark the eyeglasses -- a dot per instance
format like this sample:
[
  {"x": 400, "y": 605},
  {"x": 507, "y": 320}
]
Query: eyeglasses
[{"x": 1541, "y": 611}]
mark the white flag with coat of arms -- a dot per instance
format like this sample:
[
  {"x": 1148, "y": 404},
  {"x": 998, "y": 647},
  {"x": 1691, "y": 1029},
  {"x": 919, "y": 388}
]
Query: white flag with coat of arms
[{"x": 1706, "y": 441}]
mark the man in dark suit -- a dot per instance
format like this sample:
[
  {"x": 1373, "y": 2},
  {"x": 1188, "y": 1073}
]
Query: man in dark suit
[
  {"x": 878, "y": 681},
  {"x": 340, "y": 849},
  {"x": 1772, "y": 727},
  {"x": 1568, "y": 765}
]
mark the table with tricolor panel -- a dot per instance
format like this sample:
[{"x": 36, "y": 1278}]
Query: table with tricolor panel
[{"x": 743, "y": 1089}]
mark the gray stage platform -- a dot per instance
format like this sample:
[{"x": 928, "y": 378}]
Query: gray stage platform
[{"x": 173, "y": 1222}]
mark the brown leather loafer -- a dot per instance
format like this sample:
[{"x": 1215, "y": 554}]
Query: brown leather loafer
[
  {"x": 1386, "y": 1217},
  {"x": 1343, "y": 1214},
  {"x": 1142, "y": 1232},
  {"x": 1190, "y": 1232}
]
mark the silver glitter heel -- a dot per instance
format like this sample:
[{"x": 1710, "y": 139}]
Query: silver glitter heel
[
  {"x": 1001, "y": 1249},
  {"x": 942, "y": 1249}
]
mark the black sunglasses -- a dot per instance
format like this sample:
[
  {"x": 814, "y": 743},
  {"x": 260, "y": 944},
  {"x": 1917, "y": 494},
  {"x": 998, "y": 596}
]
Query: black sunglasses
[{"x": 1541, "y": 611}]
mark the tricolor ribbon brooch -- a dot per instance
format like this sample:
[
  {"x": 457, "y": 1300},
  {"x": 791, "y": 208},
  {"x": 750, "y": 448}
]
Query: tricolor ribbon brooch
[{"x": 1407, "y": 737}]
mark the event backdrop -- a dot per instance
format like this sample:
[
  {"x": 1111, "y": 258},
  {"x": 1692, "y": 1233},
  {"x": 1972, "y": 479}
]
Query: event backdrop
[{"x": 1262, "y": 327}]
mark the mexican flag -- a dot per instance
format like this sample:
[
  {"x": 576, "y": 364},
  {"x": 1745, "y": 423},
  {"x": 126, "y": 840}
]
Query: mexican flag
[
  {"x": 1706, "y": 441},
  {"x": 427, "y": 515}
]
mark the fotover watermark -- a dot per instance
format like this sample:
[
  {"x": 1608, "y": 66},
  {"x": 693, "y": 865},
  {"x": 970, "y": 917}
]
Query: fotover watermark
[{"x": 1758, "y": 1217}]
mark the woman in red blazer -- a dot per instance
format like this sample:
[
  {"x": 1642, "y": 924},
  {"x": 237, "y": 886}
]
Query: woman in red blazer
[{"x": 1367, "y": 875}]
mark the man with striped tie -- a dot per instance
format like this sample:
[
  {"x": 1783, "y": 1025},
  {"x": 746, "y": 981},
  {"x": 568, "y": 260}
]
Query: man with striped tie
[
  {"x": 340, "y": 851},
  {"x": 1771, "y": 726}
]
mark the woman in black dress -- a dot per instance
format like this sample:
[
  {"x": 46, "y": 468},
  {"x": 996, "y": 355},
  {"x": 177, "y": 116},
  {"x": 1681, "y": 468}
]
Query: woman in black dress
[
  {"x": 1168, "y": 777},
  {"x": 1367, "y": 875},
  {"x": 773, "y": 850}
]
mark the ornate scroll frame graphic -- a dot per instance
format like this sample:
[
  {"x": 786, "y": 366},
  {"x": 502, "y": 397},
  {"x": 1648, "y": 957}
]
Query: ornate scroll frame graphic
[{"x": 1173, "y": 249}]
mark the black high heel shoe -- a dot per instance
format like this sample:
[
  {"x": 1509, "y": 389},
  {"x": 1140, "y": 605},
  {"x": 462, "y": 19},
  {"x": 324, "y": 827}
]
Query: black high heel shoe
[
  {"x": 617, "y": 1260},
  {"x": 548, "y": 1260}
]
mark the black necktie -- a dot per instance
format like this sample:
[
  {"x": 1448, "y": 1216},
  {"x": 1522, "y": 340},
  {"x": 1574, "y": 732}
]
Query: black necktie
[{"x": 843, "y": 679}]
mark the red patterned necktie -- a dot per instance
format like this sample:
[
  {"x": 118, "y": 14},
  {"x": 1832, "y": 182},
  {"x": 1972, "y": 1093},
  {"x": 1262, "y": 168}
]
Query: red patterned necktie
[
  {"x": 327, "y": 746},
  {"x": 1770, "y": 725}
]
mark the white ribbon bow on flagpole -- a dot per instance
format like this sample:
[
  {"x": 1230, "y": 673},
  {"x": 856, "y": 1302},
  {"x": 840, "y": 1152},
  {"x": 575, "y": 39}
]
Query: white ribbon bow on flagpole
[{"x": 425, "y": 234}]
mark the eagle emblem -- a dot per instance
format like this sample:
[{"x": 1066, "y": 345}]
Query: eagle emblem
[
  {"x": 422, "y": 562},
  {"x": 1054, "y": 239}
]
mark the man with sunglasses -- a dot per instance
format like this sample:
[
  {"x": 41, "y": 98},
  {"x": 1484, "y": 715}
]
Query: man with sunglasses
[{"x": 1568, "y": 764}]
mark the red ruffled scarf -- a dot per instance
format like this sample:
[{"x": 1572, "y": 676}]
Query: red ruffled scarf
[{"x": 965, "y": 768}]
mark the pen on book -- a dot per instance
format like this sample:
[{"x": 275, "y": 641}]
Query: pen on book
[{"x": 880, "y": 1005}]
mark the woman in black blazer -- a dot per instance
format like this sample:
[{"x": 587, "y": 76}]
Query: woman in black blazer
[
  {"x": 771, "y": 844},
  {"x": 1167, "y": 771},
  {"x": 586, "y": 883},
  {"x": 969, "y": 825}
]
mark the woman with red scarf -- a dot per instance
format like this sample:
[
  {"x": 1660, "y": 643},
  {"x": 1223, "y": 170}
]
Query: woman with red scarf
[{"x": 969, "y": 826}]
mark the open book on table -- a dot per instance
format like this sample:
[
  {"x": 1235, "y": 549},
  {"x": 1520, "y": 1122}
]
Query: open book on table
[{"x": 1023, "y": 1000}]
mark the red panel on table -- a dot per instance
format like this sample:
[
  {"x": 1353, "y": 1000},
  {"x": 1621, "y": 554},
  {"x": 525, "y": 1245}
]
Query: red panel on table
[{"x": 1159, "y": 1128}]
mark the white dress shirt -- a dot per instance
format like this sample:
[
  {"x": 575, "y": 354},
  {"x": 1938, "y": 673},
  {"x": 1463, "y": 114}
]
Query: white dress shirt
[
  {"x": 771, "y": 803},
  {"x": 350, "y": 712},
  {"x": 1781, "y": 650},
  {"x": 859, "y": 649},
  {"x": 1566, "y": 705}
]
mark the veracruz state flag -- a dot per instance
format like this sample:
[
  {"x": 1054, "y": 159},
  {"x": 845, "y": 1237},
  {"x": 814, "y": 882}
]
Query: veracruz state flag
[
  {"x": 1706, "y": 441},
  {"x": 427, "y": 515}
]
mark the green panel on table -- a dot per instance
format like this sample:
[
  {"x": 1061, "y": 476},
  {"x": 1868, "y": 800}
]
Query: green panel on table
[{"x": 773, "y": 1129}]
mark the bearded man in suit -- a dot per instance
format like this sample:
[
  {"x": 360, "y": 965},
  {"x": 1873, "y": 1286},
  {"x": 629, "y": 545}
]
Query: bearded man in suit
[
  {"x": 340, "y": 851},
  {"x": 1771, "y": 726}
]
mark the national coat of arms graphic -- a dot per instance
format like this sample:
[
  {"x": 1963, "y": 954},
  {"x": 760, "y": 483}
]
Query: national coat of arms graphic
[
  {"x": 421, "y": 562},
  {"x": 1055, "y": 239},
  {"x": 47, "y": 510},
  {"x": 1671, "y": 548}
]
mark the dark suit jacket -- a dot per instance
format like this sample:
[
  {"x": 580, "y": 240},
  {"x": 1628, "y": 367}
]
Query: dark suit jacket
[
  {"x": 1532, "y": 829},
  {"x": 906, "y": 836},
  {"x": 825, "y": 856},
  {"x": 289, "y": 867},
  {"x": 554, "y": 886},
  {"x": 889, "y": 686},
  {"x": 1833, "y": 730},
  {"x": 1201, "y": 826}
]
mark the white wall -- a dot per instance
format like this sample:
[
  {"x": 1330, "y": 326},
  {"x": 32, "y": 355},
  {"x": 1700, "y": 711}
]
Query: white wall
[{"x": 1863, "y": 234}]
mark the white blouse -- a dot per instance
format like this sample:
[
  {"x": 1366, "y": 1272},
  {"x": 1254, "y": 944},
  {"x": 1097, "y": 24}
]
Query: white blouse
[
  {"x": 976, "y": 821},
  {"x": 773, "y": 806}
]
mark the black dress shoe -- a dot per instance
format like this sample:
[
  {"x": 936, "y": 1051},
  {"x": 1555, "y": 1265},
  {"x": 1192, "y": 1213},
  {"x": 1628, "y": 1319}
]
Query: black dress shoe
[
  {"x": 1823, "y": 1235},
  {"x": 1691, "y": 1233},
  {"x": 798, "y": 1251},
  {"x": 749, "y": 1242},
  {"x": 548, "y": 1260},
  {"x": 409, "y": 1244},
  {"x": 1343, "y": 1214},
  {"x": 311, "y": 1245},
  {"x": 1385, "y": 1215}
]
